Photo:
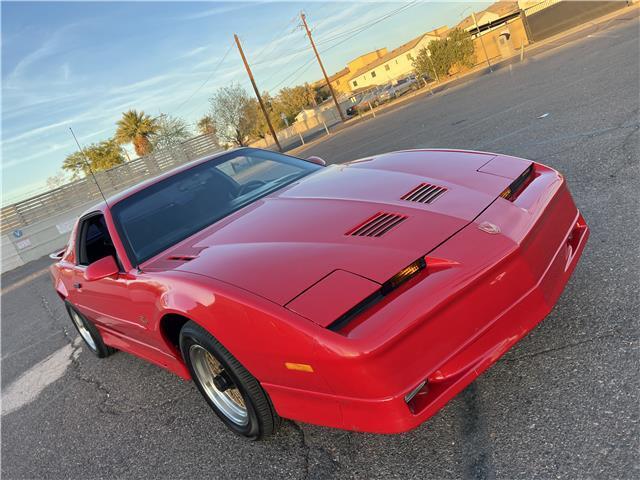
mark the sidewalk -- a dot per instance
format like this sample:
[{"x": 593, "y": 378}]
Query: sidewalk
[{"x": 543, "y": 46}]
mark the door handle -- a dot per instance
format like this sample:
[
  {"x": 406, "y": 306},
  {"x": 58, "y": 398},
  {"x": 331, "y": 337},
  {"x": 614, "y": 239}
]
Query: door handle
[{"x": 77, "y": 285}]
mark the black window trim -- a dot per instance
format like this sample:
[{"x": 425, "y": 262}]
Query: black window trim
[{"x": 82, "y": 223}]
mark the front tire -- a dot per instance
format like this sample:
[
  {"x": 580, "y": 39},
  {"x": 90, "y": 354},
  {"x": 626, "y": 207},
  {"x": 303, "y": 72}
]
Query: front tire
[
  {"x": 230, "y": 390},
  {"x": 89, "y": 333}
]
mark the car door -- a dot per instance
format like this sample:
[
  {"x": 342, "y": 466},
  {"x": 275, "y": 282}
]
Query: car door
[{"x": 106, "y": 301}]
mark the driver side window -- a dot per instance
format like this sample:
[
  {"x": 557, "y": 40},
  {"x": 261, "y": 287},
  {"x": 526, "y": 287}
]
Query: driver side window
[{"x": 94, "y": 241}]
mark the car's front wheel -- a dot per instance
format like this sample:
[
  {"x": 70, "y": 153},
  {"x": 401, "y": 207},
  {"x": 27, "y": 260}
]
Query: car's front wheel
[{"x": 229, "y": 389}]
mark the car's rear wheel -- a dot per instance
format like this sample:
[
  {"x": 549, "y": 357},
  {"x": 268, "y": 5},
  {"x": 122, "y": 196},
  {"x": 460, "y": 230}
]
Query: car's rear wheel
[
  {"x": 230, "y": 390},
  {"x": 89, "y": 333}
]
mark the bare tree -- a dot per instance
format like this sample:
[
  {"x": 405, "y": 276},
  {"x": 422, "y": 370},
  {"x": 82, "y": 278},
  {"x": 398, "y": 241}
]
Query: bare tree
[
  {"x": 56, "y": 181},
  {"x": 171, "y": 131},
  {"x": 233, "y": 114},
  {"x": 206, "y": 125}
]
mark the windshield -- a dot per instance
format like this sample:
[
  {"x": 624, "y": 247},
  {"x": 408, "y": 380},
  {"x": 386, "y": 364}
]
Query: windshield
[{"x": 175, "y": 208}]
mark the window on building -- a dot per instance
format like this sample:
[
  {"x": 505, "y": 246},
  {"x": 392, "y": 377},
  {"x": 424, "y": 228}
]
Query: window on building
[
  {"x": 387, "y": 67},
  {"x": 409, "y": 57},
  {"x": 337, "y": 82},
  {"x": 355, "y": 84},
  {"x": 373, "y": 74},
  {"x": 396, "y": 61}
]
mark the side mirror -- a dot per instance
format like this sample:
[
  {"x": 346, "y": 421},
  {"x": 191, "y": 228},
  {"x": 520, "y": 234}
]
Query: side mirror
[
  {"x": 317, "y": 161},
  {"x": 105, "y": 267}
]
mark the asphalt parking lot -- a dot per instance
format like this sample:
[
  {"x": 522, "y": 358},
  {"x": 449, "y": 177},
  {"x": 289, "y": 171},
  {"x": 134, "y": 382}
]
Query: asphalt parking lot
[{"x": 563, "y": 403}]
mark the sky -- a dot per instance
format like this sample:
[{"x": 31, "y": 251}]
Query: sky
[{"x": 81, "y": 64}]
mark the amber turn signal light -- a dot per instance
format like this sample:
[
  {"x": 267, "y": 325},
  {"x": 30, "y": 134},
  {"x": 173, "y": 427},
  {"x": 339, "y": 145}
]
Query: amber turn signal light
[
  {"x": 406, "y": 273},
  {"x": 300, "y": 367}
]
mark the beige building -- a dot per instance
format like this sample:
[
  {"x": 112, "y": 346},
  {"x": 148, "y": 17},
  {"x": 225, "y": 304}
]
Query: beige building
[
  {"x": 340, "y": 80},
  {"x": 394, "y": 64},
  {"x": 493, "y": 13},
  {"x": 482, "y": 19},
  {"x": 533, "y": 6},
  {"x": 364, "y": 60}
]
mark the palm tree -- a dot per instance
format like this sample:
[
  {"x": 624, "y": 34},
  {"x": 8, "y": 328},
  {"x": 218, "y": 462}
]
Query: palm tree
[
  {"x": 206, "y": 125},
  {"x": 136, "y": 128}
]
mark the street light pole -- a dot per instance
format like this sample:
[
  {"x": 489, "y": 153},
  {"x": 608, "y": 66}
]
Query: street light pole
[
  {"x": 432, "y": 65},
  {"x": 324, "y": 72},
  {"x": 255, "y": 89},
  {"x": 481, "y": 41}
]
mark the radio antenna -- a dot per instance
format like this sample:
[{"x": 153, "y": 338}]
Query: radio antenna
[{"x": 88, "y": 164}]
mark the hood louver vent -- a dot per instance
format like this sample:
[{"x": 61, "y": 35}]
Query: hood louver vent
[
  {"x": 377, "y": 225},
  {"x": 424, "y": 193}
]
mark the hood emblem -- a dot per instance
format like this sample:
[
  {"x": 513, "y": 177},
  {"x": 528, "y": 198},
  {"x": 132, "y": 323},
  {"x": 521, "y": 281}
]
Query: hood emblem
[{"x": 489, "y": 227}]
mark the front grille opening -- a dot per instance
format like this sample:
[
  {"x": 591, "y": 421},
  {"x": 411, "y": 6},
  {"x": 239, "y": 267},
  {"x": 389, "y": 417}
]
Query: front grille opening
[
  {"x": 424, "y": 193},
  {"x": 377, "y": 225}
]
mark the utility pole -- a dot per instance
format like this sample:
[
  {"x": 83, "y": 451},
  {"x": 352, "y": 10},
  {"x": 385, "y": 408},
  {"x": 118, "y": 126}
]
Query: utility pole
[
  {"x": 324, "y": 72},
  {"x": 481, "y": 40},
  {"x": 255, "y": 89}
]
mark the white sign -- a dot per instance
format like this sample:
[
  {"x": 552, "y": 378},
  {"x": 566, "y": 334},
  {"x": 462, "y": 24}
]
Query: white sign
[
  {"x": 65, "y": 227},
  {"x": 22, "y": 244}
]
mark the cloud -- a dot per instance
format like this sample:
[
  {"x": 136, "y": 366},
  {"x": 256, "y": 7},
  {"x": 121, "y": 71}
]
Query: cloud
[
  {"x": 194, "y": 52},
  {"x": 143, "y": 84},
  {"x": 66, "y": 71},
  {"x": 211, "y": 12},
  {"x": 37, "y": 131},
  {"x": 51, "y": 45},
  {"x": 54, "y": 147},
  {"x": 27, "y": 158}
]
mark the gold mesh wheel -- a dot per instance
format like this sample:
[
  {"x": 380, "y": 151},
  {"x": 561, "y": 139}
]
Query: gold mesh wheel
[{"x": 228, "y": 400}]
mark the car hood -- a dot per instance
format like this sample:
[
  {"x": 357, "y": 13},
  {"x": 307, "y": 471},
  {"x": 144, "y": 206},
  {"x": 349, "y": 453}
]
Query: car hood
[{"x": 284, "y": 243}]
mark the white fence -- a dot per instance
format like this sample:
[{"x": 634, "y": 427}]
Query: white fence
[{"x": 41, "y": 224}]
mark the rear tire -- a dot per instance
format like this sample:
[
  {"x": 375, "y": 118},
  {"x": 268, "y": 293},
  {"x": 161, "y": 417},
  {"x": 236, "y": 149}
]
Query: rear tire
[
  {"x": 230, "y": 390},
  {"x": 89, "y": 333}
]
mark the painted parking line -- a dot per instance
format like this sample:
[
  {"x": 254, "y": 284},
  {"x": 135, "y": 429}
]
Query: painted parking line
[
  {"x": 24, "y": 281},
  {"x": 28, "y": 387}
]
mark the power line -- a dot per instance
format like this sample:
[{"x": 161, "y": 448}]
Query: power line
[
  {"x": 350, "y": 34},
  {"x": 288, "y": 77},
  {"x": 279, "y": 33},
  {"x": 213, "y": 72},
  {"x": 358, "y": 29},
  {"x": 367, "y": 25}
]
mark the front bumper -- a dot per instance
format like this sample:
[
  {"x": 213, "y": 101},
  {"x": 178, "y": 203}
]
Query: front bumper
[{"x": 454, "y": 322}]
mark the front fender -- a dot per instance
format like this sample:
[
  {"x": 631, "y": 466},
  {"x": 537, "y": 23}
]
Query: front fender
[{"x": 262, "y": 335}]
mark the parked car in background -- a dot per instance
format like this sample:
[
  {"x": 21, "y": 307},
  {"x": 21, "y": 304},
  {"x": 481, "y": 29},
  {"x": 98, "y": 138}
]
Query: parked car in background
[
  {"x": 406, "y": 84},
  {"x": 387, "y": 93},
  {"x": 365, "y": 102},
  {"x": 399, "y": 88}
]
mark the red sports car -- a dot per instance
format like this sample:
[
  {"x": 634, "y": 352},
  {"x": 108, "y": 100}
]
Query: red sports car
[{"x": 361, "y": 296}]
